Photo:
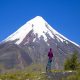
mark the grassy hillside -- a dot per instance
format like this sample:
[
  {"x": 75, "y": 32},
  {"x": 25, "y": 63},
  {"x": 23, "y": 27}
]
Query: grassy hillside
[
  {"x": 38, "y": 75},
  {"x": 23, "y": 75},
  {"x": 37, "y": 72}
]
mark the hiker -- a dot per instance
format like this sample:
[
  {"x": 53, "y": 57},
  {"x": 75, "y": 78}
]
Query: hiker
[{"x": 50, "y": 56}]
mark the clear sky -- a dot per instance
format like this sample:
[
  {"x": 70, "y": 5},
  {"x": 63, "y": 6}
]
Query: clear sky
[{"x": 62, "y": 15}]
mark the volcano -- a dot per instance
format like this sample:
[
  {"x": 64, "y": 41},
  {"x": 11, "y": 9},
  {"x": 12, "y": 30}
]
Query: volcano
[{"x": 31, "y": 43}]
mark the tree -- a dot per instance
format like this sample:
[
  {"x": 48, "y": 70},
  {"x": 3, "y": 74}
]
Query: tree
[{"x": 72, "y": 63}]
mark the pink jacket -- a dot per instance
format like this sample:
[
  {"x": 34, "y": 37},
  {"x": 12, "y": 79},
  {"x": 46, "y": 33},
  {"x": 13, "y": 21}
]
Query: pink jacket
[{"x": 50, "y": 54}]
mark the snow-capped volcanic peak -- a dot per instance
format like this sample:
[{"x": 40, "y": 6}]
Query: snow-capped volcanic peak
[{"x": 39, "y": 26}]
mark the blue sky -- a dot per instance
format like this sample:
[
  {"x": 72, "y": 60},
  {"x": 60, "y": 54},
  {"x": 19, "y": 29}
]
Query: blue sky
[{"x": 62, "y": 15}]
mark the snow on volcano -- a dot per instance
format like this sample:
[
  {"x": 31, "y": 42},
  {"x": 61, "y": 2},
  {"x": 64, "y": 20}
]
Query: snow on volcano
[{"x": 39, "y": 26}]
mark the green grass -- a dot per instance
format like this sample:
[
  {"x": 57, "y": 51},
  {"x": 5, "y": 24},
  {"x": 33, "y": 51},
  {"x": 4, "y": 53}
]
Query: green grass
[
  {"x": 34, "y": 72},
  {"x": 22, "y": 75}
]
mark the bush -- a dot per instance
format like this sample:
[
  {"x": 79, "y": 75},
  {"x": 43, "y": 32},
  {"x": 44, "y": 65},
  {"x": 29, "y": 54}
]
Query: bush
[{"x": 72, "y": 63}]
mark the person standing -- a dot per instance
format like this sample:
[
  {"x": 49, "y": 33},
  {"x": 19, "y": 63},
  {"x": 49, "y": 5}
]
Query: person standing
[{"x": 50, "y": 56}]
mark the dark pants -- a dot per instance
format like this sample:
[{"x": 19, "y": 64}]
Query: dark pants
[{"x": 48, "y": 67}]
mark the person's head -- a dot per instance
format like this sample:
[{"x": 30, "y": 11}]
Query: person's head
[{"x": 50, "y": 49}]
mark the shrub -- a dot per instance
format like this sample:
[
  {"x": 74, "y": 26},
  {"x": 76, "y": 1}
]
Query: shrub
[{"x": 72, "y": 63}]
